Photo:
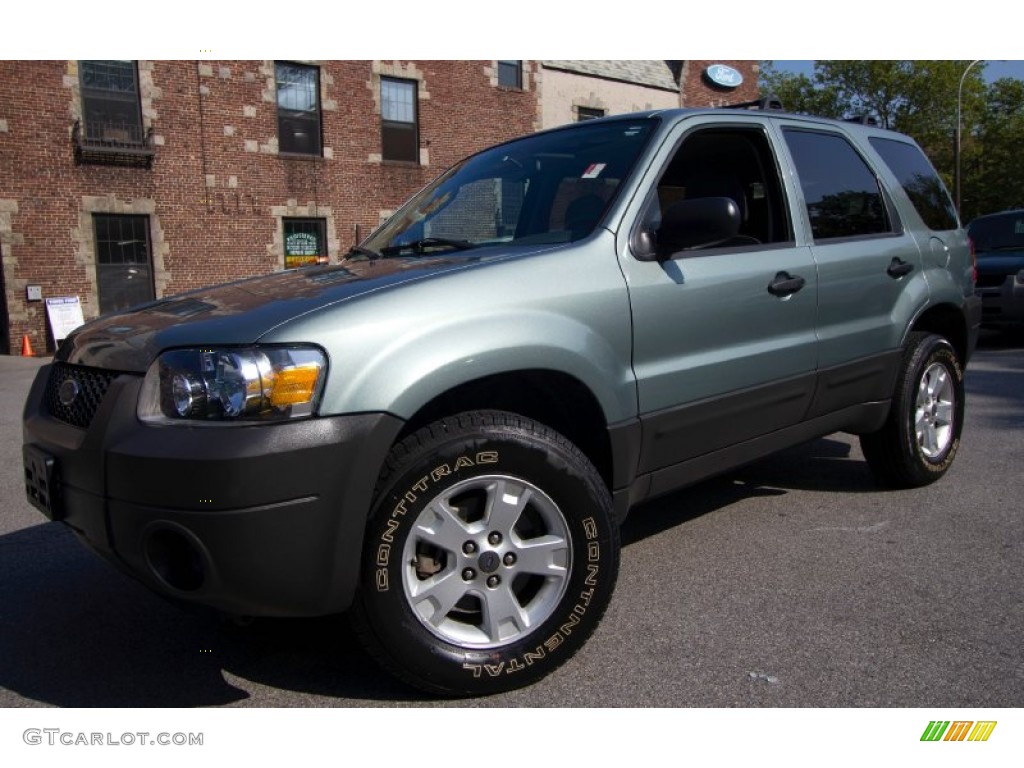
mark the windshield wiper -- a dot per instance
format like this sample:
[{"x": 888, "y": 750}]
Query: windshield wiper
[
  {"x": 419, "y": 246},
  {"x": 358, "y": 250}
]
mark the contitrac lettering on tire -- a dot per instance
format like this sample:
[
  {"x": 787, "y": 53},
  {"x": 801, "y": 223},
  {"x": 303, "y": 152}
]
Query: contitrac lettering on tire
[{"x": 420, "y": 487}]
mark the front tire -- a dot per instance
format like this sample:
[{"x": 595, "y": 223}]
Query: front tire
[
  {"x": 921, "y": 437},
  {"x": 490, "y": 555}
]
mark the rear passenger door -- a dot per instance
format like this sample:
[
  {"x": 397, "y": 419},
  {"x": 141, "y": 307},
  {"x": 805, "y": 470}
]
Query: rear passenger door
[
  {"x": 869, "y": 267},
  {"x": 719, "y": 359}
]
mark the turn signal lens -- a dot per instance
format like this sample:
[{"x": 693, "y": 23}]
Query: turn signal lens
[{"x": 294, "y": 385}]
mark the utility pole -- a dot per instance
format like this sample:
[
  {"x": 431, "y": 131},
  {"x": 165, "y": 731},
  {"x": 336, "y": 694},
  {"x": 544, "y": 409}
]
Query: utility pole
[{"x": 959, "y": 129}]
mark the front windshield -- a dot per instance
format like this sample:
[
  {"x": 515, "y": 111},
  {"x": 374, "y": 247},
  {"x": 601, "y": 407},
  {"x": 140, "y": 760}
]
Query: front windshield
[{"x": 546, "y": 188}]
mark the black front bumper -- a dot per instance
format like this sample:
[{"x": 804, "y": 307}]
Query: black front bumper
[{"x": 257, "y": 520}]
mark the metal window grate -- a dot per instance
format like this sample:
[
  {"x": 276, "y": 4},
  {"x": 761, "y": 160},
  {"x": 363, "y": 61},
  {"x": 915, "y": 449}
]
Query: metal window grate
[
  {"x": 89, "y": 388},
  {"x": 110, "y": 130},
  {"x": 305, "y": 242}
]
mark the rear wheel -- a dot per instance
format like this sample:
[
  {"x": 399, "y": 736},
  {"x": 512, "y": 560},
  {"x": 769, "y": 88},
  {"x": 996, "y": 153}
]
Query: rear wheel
[
  {"x": 490, "y": 555},
  {"x": 922, "y": 435}
]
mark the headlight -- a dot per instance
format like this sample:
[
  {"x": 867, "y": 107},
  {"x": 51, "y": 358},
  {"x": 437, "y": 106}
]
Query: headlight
[{"x": 218, "y": 385}]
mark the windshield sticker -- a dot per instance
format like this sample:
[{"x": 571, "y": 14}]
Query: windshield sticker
[{"x": 593, "y": 170}]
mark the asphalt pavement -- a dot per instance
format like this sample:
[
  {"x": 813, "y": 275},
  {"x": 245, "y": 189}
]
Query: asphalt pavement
[{"x": 795, "y": 581}]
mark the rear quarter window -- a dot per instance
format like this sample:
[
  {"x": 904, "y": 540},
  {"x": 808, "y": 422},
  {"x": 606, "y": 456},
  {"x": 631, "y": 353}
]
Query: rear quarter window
[{"x": 919, "y": 180}]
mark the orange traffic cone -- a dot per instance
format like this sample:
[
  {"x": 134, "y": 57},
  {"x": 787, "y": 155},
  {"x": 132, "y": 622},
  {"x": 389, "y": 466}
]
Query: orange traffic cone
[{"x": 26, "y": 347}]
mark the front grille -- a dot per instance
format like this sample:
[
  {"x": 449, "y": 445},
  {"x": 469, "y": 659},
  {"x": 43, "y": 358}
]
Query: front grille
[{"x": 89, "y": 387}]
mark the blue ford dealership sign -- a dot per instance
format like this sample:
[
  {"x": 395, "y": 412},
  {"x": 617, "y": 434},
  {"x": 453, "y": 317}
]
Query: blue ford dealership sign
[{"x": 723, "y": 75}]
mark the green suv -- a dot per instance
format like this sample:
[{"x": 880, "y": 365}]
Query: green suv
[{"x": 442, "y": 433}]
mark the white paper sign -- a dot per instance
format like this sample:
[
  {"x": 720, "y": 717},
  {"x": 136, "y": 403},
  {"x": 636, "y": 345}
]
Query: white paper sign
[{"x": 65, "y": 313}]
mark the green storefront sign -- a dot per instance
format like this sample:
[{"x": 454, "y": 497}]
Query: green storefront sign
[{"x": 301, "y": 248}]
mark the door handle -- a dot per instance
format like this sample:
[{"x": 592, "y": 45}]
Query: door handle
[
  {"x": 785, "y": 284},
  {"x": 898, "y": 268}
]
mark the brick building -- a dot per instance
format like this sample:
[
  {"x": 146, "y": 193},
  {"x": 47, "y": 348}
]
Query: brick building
[
  {"x": 123, "y": 181},
  {"x": 575, "y": 90}
]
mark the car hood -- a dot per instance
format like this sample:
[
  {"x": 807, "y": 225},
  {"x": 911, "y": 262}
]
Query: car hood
[{"x": 242, "y": 312}]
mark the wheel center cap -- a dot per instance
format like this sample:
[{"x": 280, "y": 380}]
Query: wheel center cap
[{"x": 489, "y": 562}]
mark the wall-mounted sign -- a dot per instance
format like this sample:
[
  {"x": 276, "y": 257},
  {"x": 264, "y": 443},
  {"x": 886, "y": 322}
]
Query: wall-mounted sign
[
  {"x": 65, "y": 314},
  {"x": 301, "y": 248},
  {"x": 723, "y": 76}
]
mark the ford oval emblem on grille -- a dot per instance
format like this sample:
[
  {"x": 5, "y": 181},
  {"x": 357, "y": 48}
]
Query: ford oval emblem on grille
[{"x": 68, "y": 392}]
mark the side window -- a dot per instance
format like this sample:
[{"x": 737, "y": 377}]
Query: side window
[
  {"x": 110, "y": 102},
  {"x": 298, "y": 108},
  {"x": 919, "y": 181},
  {"x": 720, "y": 162},
  {"x": 841, "y": 192}
]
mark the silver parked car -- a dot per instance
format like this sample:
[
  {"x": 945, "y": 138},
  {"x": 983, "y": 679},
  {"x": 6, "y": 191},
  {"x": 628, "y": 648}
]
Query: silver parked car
[{"x": 443, "y": 432}]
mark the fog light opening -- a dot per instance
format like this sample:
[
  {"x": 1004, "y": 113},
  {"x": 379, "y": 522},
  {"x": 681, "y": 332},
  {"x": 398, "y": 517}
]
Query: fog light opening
[{"x": 175, "y": 560}]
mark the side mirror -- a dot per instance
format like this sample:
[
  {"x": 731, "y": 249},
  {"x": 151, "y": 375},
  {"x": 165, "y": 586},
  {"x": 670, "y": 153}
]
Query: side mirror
[{"x": 697, "y": 223}]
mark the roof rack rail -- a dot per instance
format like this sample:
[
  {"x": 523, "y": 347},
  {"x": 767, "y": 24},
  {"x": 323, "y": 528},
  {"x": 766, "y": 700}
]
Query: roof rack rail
[
  {"x": 863, "y": 120},
  {"x": 770, "y": 102}
]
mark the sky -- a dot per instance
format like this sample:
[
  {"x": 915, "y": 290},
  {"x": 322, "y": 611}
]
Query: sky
[
  {"x": 993, "y": 70},
  {"x": 530, "y": 29}
]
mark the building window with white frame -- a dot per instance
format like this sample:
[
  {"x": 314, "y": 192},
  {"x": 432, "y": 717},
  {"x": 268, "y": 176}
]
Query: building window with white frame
[
  {"x": 399, "y": 120},
  {"x": 298, "y": 108}
]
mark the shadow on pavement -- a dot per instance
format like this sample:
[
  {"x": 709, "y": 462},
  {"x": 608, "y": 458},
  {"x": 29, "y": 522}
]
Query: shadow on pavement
[
  {"x": 76, "y": 633},
  {"x": 820, "y": 465},
  {"x": 998, "y": 379},
  {"x": 1010, "y": 338}
]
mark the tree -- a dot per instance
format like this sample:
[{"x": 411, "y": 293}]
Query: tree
[
  {"x": 918, "y": 98},
  {"x": 993, "y": 176},
  {"x": 799, "y": 93}
]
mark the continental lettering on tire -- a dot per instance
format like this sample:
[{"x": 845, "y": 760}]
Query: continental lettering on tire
[
  {"x": 418, "y": 489},
  {"x": 576, "y": 613}
]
